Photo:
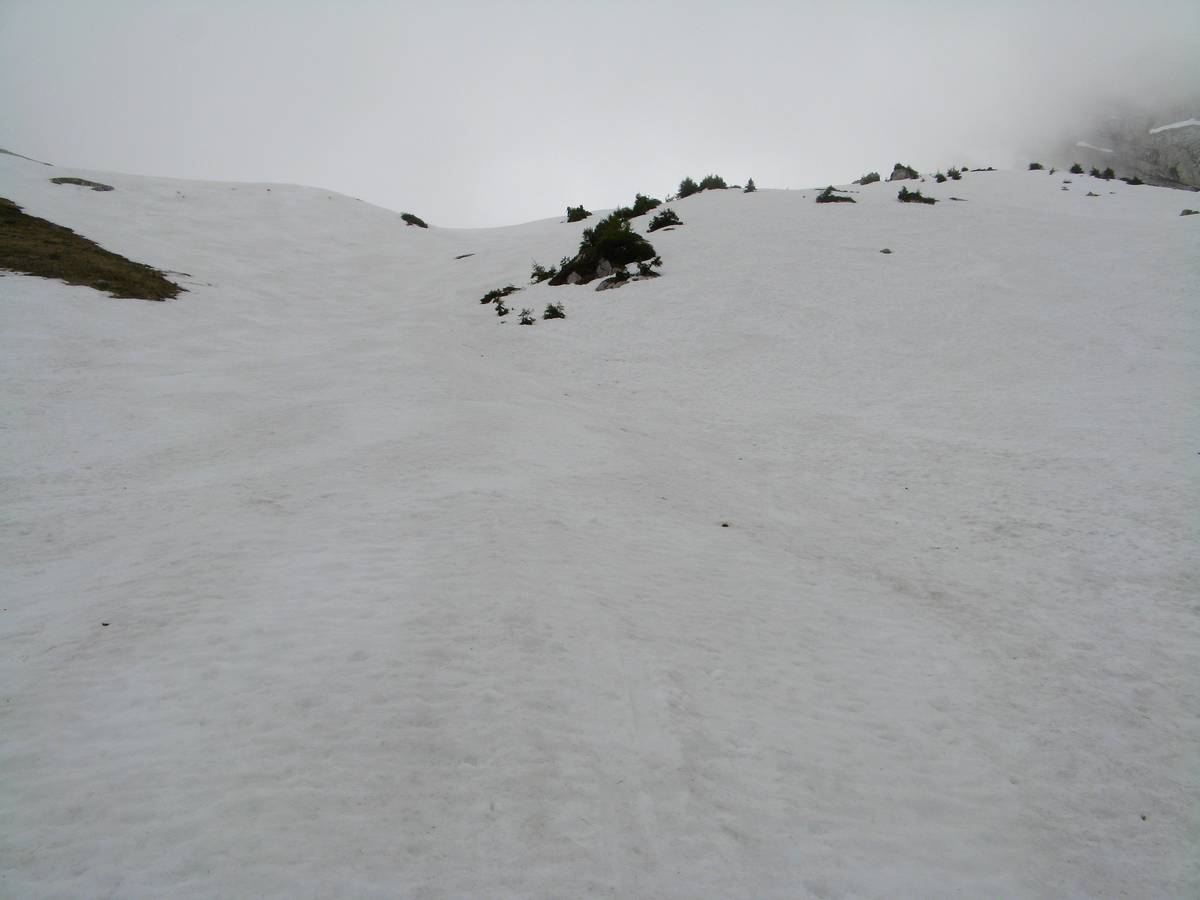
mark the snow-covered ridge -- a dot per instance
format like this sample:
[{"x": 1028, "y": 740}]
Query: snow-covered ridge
[
  {"x": 1186, "y": 123},
  {"x": 323, "y": 580}
]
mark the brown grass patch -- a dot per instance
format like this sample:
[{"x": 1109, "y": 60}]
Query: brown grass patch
[{"x": 33, "y": 246}]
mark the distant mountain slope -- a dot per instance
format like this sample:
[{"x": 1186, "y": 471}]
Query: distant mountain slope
[{"x": 802, "y": 570}]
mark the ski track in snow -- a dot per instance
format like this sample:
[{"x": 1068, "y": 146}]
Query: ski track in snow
[
  {"x": 404, "y": 601},
  {"x": 1186, "y": 123}
]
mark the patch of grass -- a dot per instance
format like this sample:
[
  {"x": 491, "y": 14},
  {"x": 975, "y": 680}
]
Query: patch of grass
[
  {"x": 83, "y": 182},
  {"x": 33, "y": 246},
  {"x": 413, "y": 220}
]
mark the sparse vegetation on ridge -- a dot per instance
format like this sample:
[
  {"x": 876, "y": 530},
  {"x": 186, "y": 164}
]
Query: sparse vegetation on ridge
[
  {"x": 869, "y": 178},
  {"x": 33, "y": 246}
]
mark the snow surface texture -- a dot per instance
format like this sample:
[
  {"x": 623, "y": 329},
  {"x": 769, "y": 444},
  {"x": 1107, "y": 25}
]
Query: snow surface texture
[
  {"x": 405, "y": 600},
  {"x": 1088, "y": 146},
  {"x": 1186, "y": 123}
]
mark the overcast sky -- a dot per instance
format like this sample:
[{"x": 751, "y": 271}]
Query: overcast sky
[{"x": 490, "y": 113}]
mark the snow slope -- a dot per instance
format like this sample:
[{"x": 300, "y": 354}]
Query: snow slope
[{"x": 404, "y": 600}]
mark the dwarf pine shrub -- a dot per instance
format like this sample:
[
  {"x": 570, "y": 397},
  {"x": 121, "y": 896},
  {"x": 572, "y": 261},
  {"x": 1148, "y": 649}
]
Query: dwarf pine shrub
[
  {"x": 750, "y": 188},
  {"x": 955, "y": 174},
  {"x": 526, "y": 317},
  {"x": 576, "y": 213},
  {"x": 713, "y": 183},
  {"x": 869, "y": 178},
  {"x": 1076, "y": 169},
  {"x": 687, "y": 187},
  {"x": 828, "y": 196},
  {"x": 663, "y": 219},
  {"x": 1035, "y": 166},
  {"x": 554, "y": 311},
  {"x": 907, "y": 196},
  {"x": 498, "y": 294},
  {"x": 541, "y": 273},
  {"x": 413, "y": 220}
]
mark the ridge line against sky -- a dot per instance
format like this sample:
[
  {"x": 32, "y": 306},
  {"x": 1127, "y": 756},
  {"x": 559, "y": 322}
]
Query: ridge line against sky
[{"x": 480, "y": 114}]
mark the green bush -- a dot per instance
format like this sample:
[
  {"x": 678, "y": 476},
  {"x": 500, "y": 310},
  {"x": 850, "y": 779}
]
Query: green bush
[
  {"x": 1035, "y": 167},
  {"x": 713, "y": 183},
  {"x": 413, "y": 220},
  {"x": 501, "y": 309},
  {"x": 687, "y": 187},
  {"x": 1076, "y": 169},
  {"x": 869, "y": 178},
  {"x": 576, "y": 213},
  {"x": 954, "y": 174},
  {"x": 750, "y": 188},
  {"x": 494, "y": 296},
  {"x": 554, "y": 311},
  {"x": 643, "y": 204},
  {"x": 828, "y": 196},
  {"x": 663, "y": 219},
  {"x": 526, "y": 317},
  {"x": 1134, "y": 180},
  {"x": 939, "y": 178},
  {"x": 907, "y": 196},
  {"x": 540, "y": 273},
  {"x": 613, "y": 239}
]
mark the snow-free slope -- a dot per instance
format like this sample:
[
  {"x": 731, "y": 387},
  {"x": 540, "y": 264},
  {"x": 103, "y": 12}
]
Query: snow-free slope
[{"x": 404, "y": 600}]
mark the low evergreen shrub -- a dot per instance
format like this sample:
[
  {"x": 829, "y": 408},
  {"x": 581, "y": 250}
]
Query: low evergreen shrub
[
  {"x": 554, "y": 311},
  {"x": 576, "y": 213},
  {"x": 413, "y": 220},
  {"x": 907, "y": 196},
  {"x": 526, "y": 317},
  {"x": 750, "y": 188},
  {"x": 687, "y": 187},
  {"x": 498, "y": 294},
  {"x": 540, "y": 273},
  {"x": 713, "y": 183},
  {"x": 1035, "y": 166},
  {"x": 869, "y": 178},
  {"x": 1076, "y": 169},
  {"x": 663, "y": 219},
  {"x": 939, "y": 178},
  {"x": 828, "y": 196},
  {"x": 955, "y": 174}
]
